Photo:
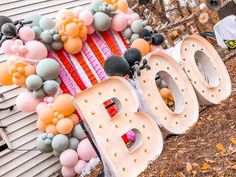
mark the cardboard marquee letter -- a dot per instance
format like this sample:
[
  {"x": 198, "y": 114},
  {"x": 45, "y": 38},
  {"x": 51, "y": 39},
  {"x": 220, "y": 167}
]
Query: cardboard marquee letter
[
  {"x": 186, "y": 104},
  {"x": 205, "y": 69},
  {"x": 122, "y": 162}
]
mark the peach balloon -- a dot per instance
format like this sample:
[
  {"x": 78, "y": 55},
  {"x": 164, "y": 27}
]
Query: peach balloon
[
  {"x": 41, "y": 126},
  {"x": 52, "y": 129},
  {"x": 5, "y": 76},
  {"x": 64, "y": 104},
  {"x": 46, "y": 115},
  {"x": 83, "y": 32},
  {"x": 64, "y": 126},
  {"x": 65, "y": 13},
  {"x": 165, "y": 93},
  {"x": 90, "y": 29},
  {"x": 74, "y": 119},
  {"x": 122, "y": 5},
  {"x": 41, "y": 106},
  {"x": 142, "y": 45},
  {"x": 29, "y": 70},
  {"x": 73, "y": 45},
  {"x": 20, "y": 81},
  {"x": 72, "y": 29}
]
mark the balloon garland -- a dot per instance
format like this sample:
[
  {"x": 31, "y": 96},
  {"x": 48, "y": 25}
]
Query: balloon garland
[{"x": 38, "y": 49}]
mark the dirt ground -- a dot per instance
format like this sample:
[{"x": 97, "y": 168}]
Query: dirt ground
[{"x": 208, "y": 149}]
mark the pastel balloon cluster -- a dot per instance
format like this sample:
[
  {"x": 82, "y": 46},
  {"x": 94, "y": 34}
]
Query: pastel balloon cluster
[
  {"x": 121, "y": 5},
  {"x": 73, "y": 162},
  {"x": 44, "y": 28},
  {"x": 45, "y": 81},
  {"x": 58, "y": 118},
  {"x": 72, "y": 29}
]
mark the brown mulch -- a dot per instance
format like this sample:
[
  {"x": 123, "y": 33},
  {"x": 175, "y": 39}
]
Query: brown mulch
[{"x": 208, "y": 149}]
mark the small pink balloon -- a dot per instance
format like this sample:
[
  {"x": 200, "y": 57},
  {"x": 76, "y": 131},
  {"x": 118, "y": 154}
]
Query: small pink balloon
[
  {"x": 69, "y": 158},
  {"x": 84, "y": 38},
  {"x": 35, "y": 50},
  {"x": 18, "y": 42},
  {"x": 15, "y": 48},
  {"x": 68, "y": 171},
  {"x": 87, "y": 17},
  {"x": 85, "y": 150},
  {"x": 26, "y": 102},
  {"x": 134, "y": 16},
  {"x": 26, "y": 34},
  {"x": 22, "y": 49},
  {"x": 6, "y": 47},
  {"x": 80, "y": 166},
  {"x": 50, "y": 99},
  {"x": 41, "y": 106},
  {"x": 77, "y": 11},
  {"x": 90, "y": 29},
  {"x": 119, "y": 22}
]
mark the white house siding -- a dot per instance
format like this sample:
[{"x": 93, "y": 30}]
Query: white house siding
[{"x": 21, "y": 129}]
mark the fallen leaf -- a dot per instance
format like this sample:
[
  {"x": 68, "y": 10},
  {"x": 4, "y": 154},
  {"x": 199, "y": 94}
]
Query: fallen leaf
[
  {"x": 220, "y": 146},
  {"x": 233, "y": 140},
  {"x": 189, "y": 167},
  {"x": 206, "y": 166},
  {"x": 233, "y": 167},
  {"x": 181, "y": 174}
]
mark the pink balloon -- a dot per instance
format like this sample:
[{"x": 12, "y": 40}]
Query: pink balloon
[
  {"x": 77, "y": 11},
  {"x": 86, "y": 16},
  {"x": 69, "y": 158},
  {"x": 80, "y": 166},
  {"x": 134, "y": 16},
  {"x": 84, "y": 38},
  {"x": 41, "y": 106},
  {"x": 6, "y": 47},
  {"x": 26, "y": 102},
  {"x": 90, "y": 29},
  {"x": 119, "y": 22},
  {"x": 68, "y": 171},
  {"x": 85, "y": 150},
  {"x": 26, "y": 34},
  {"x": 35, "y": 50}
]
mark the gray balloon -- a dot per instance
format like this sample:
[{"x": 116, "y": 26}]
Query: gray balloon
[
  {"x": 136, "y": 26},
  {"x": 60, "y": 142},
  {"x": 3, "y": 20},
  {"x": 127, "y": 33},
  {"x": 101, "y": 21},
  {"x": 133, "y": 37},
  {"x": 56, "y": 37},
  {"x": 73, "y": 143},
  {"x": 34, "y": 82},
  {"x": 145, "y": 22},
  {"x": 48, "y": 69},
  {"x": 50, "y": 87},
  {"x": 33, "y": 17},
  {"x": 46, "y": 37},
  {"x": 37, "y": 31},
  {"x": 56, "y": 45},
  {"x": 95, "y": 5},
  {"x": 149, "y": 28},
  {"x": 46, "y": 23},
  {"x": 42, "y": 144},
  {"x": 163, "y": 84},
  {"x": 8, "y": 29},
  {"x": 78, "y": 132},
  {"x": 39, "y": 93},
  {"x": 57, "y": 153}
]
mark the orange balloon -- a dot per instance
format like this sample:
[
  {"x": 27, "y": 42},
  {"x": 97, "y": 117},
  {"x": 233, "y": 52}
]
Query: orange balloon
[
  {"x": 142, "y": 45},
  {"x": 41, "y": 126},
  {"x": 122, "y": 5},
  {"x": 64, "y": 126},
  {"x": 29, "y": 70},
  {"x": 46, "y": 115},
  {"x": 63, "y": 14},
  {"x": 5, "y": 76},
  {"x": 165, "y": 93},
  {"x": 64, "y": 105},
  {"x": 74, "y": 119},
  {"x": 20, "y": 81},
  {"x": 72, "y": 29},
  {"x": 73, "y": 45},
  {"x": 52, "y": 129},
  {"x": 83, "y": 32}
]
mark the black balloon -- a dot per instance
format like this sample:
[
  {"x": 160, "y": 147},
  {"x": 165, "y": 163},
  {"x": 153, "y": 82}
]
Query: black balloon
[
  {"x": 144, "y": 33},
  {"x": 116, "y": 66},
  {"x": 157, "y": 39},
  {"x": 3, "y": 20},
  {"x": 143, "y": 2},
  {"x": 8, "y": 29},
  {"x": 133, "y": 55}
]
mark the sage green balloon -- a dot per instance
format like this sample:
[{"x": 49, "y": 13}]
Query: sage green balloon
[
  {"x": 136, "y": 26},
  {"x": 133, "y": 37},
  {"x": 46, "y": 23},
  {"x": 50, "y": 87},
  {"x": 46, "y": 37},
  {"x": 34, "y": 18},
  {"x": 56, "y": 45},
  {"x": 78, "y": 132},
  {"x": 60, "y": 142},
  {"x": 39, "y": 93},
  {"x": 37, "y": 31},
  {"x": 33, "y": 82},
  {"x": 43, "y": 144},
  {"x": 95, "y": 5},
  {"x": 48, "y": 69},
  {"x": 73, "y": 143},
  {"x": 149, "y": 28},
  {"x": 127, "y": 33},
  {"x": 101, "y": 21}
]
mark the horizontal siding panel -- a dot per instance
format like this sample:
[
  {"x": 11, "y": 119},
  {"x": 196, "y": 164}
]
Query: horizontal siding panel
[
  {"x": 14, "y": 118},
  {"x": 11, "y": 93}
]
